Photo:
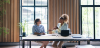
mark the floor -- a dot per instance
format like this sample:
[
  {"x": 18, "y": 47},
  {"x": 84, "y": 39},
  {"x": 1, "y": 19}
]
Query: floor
[
  {"x": 37, "y": 45},
  {"x": 81, "y": 46}
]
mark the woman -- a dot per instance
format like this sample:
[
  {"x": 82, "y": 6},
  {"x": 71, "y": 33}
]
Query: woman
[
  {"x": 62, "y": 25},
  {"x": 39, "y": 30}
]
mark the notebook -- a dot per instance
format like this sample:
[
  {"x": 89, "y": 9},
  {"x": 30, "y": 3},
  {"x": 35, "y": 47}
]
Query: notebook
[{"x": 76, "y": 36}]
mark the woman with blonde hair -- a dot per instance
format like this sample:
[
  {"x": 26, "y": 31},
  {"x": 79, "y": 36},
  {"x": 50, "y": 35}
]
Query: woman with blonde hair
[{"x": 62, "y": 25}]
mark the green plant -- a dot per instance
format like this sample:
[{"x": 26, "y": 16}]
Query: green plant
[
  {"x": 4, "y": 30},
  {"x": 1, "y": 6},
  {"x": 23, "y": 25},
  {"x": 2, "y": 12}
]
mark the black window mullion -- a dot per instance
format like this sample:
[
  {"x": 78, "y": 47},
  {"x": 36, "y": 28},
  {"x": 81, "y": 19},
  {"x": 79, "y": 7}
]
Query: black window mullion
[
  {"x": 47, "y": 17},
  {"x": 21, "y": 19},
  {"x": 80, "y": 17},
  {"x": 94, "y": 17},
  {"x": 93, "y": 2},
  {"x": 94, "y": 20},
  {"x": 34, "y": 9},
  {"x": 34, "y": 6}
]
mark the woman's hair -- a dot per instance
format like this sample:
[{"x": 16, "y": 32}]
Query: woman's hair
[
  {"x": 65, "y": 17},
  {"x": 36, "y": 20}
]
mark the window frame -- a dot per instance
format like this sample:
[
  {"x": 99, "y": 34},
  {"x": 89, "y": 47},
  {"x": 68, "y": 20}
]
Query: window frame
[
  {"x": 80, "y": 17},
  {"x": 34, "y": 12}
]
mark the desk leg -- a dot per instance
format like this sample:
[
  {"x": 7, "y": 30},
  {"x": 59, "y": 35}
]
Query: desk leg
[
  {"x": 23, "y": 44},
  {"x": 30, "y": 44},
  {"x": 19, "y": 43},
  {"x": 78, "y": 42},
  {"x": 88, "y": 42},
  {"x": 64, "y": 46}
]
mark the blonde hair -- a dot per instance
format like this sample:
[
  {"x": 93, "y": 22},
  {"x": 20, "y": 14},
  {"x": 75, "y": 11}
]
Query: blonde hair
[{"x": 66, "y": 18}]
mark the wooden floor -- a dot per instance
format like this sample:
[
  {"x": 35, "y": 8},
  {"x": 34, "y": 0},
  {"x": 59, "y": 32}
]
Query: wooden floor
[{"x": 82, "y": 46}]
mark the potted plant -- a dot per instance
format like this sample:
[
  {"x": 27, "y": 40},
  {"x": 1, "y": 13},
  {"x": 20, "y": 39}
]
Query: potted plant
[{"x": 23, "y": 25}]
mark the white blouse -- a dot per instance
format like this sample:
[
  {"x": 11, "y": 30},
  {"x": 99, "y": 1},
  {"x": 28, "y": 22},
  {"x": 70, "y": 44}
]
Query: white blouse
[{"x": 63, "y": 27}]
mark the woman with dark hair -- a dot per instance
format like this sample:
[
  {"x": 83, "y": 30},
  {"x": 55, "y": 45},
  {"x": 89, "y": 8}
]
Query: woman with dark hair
[
  {"x": 62, "y": 25},
  {"x": 38, "y": 29}
]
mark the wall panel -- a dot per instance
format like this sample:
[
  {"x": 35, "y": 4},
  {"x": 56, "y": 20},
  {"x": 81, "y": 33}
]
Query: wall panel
[
  {"x": 10, "y": 20},
  {"x": 59, "y": 7}
]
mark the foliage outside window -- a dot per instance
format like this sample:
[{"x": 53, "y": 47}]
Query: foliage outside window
[
  {"x": 32, "y": 9},
  {"x": 88, "y": 14}
]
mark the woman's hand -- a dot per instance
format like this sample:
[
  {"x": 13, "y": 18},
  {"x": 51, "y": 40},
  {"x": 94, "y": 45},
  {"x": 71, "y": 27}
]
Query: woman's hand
[
  {"x": 55, "y": 27},
  {"x": 43, "y": 33},
  {"x": 49, "y": 30}
]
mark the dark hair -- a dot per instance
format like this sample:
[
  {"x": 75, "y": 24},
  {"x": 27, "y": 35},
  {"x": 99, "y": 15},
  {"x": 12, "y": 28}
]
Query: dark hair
[
  {"x": 36, "y": 20},
  {"x": 61, "y": 18}
]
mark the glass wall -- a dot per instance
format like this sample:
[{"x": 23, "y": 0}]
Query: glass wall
[
  {"x": 97, "y": 22},
  {"x": 86, "y": 2},
  {"x": 32, "y": 9},
  {"x": 97, "y": 2},
  {"x": 87, "y": 22},
  {"x": 90, "y": 14}
]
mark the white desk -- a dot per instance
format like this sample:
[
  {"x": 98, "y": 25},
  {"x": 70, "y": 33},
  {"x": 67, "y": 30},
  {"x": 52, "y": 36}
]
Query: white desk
[{"x": 49, "y": 37}]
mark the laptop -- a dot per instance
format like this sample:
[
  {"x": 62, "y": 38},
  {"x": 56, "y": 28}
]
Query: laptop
[{"x": 64, "y": 32}]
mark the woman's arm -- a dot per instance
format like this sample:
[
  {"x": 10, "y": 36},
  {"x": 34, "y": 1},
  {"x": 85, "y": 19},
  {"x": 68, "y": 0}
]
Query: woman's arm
[
  {"x": 36, "y": 33},
  {"x": 55, "y": 27}
]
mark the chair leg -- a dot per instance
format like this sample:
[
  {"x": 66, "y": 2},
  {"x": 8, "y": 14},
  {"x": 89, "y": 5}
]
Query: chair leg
[
  {"x": 64, "y": 46},
  {"x": 78, "y": 42}
]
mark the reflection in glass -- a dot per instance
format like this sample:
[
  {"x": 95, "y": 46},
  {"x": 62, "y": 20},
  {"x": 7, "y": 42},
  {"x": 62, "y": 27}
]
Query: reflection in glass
[
  {"x": 28, "y": 15},
  {"x": 41, "y": 2},
  {"x": 27, "y": 2},
  {"x": 97, "y": 22},
  {"x": 45, "y": 26},
  {"x": 29, "y": 29},
  {"x": 87, "y": 22},
  {"x": 97, "y": 2},
  {"x": 41, "y": 12},
  {"x": 86, "y": 2}
]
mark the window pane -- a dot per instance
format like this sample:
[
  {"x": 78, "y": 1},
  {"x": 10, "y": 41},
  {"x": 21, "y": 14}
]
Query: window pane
[
  {"x": 97, "y": 22},
  {"x": 45, "y": 25},
  {"x": 87, "y": 22},
  {"x": 86, "y": 2},
  {"x": 27, "y": 2},
  {"x": 29, "y": 29},
  {"x": 97, "y": 2},
  {"x": 41, "y": 2},
  {"x": 20, "y": 2},
  {"x": 28, "y": 15},
  {"x": 41, "y": 12}
]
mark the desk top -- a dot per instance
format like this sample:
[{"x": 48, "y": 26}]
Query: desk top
[{"x": 50, "y": 37}]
